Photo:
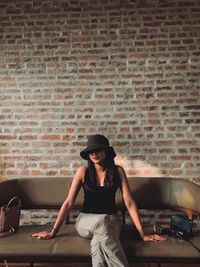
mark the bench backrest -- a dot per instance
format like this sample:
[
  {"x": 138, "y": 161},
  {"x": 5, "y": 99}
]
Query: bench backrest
[{"x": 148, "y": 192}]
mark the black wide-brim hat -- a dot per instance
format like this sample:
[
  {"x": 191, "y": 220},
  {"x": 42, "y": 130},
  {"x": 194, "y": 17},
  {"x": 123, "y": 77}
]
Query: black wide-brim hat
[{"x": 95, "y": 142}]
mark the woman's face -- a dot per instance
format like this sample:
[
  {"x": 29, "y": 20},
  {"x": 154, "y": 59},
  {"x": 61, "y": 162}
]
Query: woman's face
[{"x": 97, "y": 156}]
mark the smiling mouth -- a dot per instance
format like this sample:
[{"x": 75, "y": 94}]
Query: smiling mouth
[{"x": 96, "y": 158}]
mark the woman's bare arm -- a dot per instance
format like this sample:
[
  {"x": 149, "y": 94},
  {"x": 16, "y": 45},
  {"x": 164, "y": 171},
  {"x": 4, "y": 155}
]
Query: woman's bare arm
[
  {"x": 132, "y": 208},
  {"x": 66, "y": 206}
]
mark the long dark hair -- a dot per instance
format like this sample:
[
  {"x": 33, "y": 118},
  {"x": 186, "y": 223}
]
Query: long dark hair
[{"x": 112, "y": 178}]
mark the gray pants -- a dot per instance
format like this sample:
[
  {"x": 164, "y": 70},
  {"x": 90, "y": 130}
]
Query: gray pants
[{"x": 103, "y": 230}]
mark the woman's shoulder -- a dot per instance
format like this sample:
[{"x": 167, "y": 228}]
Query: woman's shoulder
[
  {"x": 120, "y": 168},
  {"x": 81, "y": 170},
  {"x": 121, "y": 172}
]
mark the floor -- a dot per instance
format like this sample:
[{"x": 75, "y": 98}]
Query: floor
[{"x": 88, "y": 265}]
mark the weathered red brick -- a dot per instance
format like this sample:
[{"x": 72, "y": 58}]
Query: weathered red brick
[{"x": 66, "y": 75}]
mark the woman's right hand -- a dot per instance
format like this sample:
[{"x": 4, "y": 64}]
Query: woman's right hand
[{"x": 43, "y": 235}]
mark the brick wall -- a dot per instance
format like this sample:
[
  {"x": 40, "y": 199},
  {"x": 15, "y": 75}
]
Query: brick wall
[{"x": 127, "y": 69}]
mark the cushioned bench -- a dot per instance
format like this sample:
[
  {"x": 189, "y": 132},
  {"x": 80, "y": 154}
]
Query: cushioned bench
[{"x": 49, "y": 193}]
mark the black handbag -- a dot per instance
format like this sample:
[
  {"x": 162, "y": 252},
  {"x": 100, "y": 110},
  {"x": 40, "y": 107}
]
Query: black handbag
[{"x": 180, "y": 227}]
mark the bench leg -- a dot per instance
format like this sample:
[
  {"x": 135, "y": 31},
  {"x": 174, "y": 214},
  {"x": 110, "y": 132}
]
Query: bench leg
[{"x": 31, "y": 264}]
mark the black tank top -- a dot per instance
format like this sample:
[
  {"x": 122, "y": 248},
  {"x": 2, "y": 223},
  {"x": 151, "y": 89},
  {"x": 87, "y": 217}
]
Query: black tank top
[{"x": 100, "y": 201}]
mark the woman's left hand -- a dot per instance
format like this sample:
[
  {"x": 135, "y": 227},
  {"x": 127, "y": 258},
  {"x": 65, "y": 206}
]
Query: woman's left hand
[{"x": 154, "y": 238}]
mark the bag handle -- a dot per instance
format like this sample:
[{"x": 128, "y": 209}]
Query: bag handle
[{"x": 12, "y": 200}]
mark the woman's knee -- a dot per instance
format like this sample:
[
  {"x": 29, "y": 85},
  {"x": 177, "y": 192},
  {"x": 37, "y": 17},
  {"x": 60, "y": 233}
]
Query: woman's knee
[
  {"x": 108, "y": 225},
  {"x": 81, "y": 228}
]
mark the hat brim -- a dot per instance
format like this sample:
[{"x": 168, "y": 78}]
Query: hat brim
[{"x": 85, "y": 152}]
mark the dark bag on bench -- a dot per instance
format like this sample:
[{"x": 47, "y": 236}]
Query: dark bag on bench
[
  {"x": 9, "y": 217},
  {"x": 180, "y": 227}
]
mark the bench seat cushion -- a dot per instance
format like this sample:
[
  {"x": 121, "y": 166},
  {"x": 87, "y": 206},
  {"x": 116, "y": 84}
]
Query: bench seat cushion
[
  {"x": 68, "y": 246},
  {"x": 172, "y": 250},
  {"x": 22, "y": 245}
]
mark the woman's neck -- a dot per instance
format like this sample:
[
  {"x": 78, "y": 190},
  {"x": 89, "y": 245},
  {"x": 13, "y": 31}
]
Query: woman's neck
[
  {"x": 101, "y": 174},
  {"x": 99, "y": 167}
]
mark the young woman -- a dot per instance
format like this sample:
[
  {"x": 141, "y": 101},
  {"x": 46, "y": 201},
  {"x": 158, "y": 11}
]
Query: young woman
[{"x": 99, "y": 219}]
